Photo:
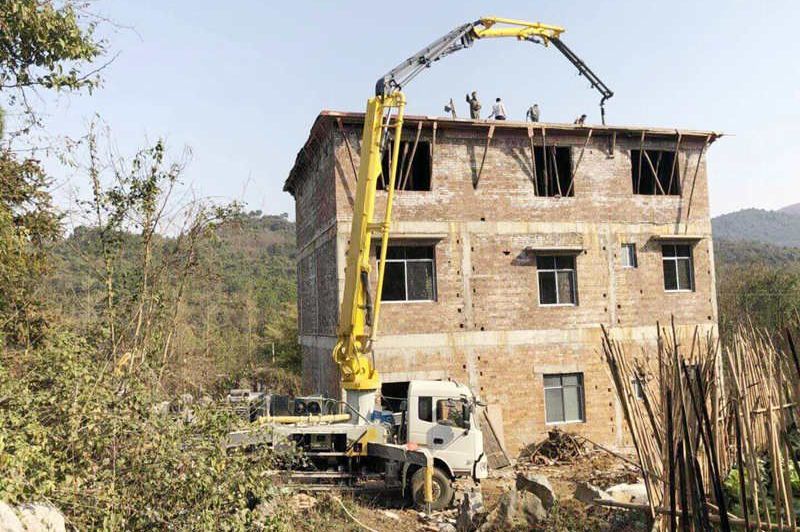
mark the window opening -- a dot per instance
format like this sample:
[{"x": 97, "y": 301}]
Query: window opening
[
  {"x": 553, "y": 171},
  {"x": 413, "y": 173},
  {"x": 556, "y": 279},
  {"x": 425, "y": 409},
  {"x": 629, "y": 256},
  {"x": 563, "y": 398},
  {"x": 654, "y": 172},
  {"x": 678, "y": 268},
  {"x": 410, "y": 273}
]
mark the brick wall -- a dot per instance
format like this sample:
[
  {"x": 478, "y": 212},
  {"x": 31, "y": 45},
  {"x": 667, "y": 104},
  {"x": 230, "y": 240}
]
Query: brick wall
[{"x": 486, "y": 327}]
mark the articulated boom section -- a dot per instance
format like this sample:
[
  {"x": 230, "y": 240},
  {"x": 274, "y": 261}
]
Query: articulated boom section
[{"x": 358, "y": 320}]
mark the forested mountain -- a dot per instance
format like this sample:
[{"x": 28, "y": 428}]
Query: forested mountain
[
  {"x": 239, "y": 301},
  {"x": 794, "y": 210},
  {"x": 780, "y": 228},
  {"x": 750, "y": 253}
]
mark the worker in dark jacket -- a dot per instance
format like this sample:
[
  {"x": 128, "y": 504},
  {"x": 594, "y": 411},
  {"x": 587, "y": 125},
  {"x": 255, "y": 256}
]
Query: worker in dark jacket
[
  {"x": 474, "y": 105},
  {"x": 533, "y": 113}
]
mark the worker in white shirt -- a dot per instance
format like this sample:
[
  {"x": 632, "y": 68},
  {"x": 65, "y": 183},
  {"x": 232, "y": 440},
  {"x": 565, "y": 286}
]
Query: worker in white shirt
[{"x": 498, "y": 110}]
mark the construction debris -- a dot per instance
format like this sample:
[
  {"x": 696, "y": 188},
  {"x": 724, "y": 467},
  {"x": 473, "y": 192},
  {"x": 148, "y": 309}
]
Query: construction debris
[
  {"x": 558, "y": 448},
  {"x": 302, "y": 502}
]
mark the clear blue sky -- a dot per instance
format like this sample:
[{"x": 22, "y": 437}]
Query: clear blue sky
[{"x": 241, "y": 82}]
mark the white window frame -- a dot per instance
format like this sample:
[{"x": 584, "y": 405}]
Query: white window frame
[
  {"x": 405, "y": 273},
  {"x": 627, "y": 249},
  {"x": 674, "y": 260},
  {"x": 582, "y": 396},
  {"x": 572, "y": 271}
]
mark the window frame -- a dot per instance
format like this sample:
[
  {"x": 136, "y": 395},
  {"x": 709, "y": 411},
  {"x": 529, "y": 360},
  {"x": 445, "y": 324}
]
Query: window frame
[
  {"x": 675, "y": 259},
  {"x": 383, "y": 177},
  {"x": 581, "y": 395},
  {"x": 548, "y": 158},
  {"x": 628, "y": 247},
  {"x": 638, "y": 154},
  {"x": 430, "y": 408},
  {"x": 405, "y": 261},
  {"x": 555, "y": 271}
]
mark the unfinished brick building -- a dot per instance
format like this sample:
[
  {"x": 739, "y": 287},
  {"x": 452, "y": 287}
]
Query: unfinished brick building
[{"x": 512, "y": 243}]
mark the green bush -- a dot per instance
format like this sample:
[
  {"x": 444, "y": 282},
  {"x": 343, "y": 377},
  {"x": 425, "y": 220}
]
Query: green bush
[{"x": 90, "y": 438}]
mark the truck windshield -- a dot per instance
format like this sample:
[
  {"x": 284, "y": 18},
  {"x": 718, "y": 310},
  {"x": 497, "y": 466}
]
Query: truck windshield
[{"x": 450, "y": 412}]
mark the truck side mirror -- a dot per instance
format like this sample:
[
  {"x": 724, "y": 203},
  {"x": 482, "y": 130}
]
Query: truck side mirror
[{"x": 466, "y": 412}]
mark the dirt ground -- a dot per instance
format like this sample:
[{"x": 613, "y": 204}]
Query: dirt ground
[{"x": 386, "y": 511}]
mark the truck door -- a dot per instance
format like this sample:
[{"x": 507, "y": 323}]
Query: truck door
[{"x": 437, "y": 423}]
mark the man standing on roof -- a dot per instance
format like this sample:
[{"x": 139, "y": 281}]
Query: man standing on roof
[
  {"x": 474, "y": 106},
  {"x": 533, "y": 113},
  {"x": 498, "y": 110},
  {"x": 581, "y": 120}
]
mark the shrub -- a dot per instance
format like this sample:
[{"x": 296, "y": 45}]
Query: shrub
[{"x": 90, "y": 438}]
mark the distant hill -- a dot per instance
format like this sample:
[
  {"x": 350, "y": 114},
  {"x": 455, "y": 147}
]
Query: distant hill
[
  {"x": 793, "y": 210},
  {"x": 779, "y": 228},
  {"x": 742, "y": 253}
]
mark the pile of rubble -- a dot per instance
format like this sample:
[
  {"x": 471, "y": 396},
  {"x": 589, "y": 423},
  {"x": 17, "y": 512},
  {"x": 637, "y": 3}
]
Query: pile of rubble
[
  {"x": 526, "y": 504},
  {"x": 558, "y": 448}
]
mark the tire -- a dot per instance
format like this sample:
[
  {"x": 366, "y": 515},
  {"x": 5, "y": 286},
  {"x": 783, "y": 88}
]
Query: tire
[{"x": 442, "y": 489}]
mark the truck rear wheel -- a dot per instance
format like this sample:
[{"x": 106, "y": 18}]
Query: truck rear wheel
[{"x": 442, "y": 489}]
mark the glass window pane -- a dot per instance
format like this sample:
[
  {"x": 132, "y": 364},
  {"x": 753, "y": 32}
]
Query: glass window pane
[
  {"x": 565, "y": 262},
  {"x": 551, "y": 381},
  {"x": 629, "y": 255},
  {"x": 545, "y": 262},
  {"x": 450, "y": 412},
  {"x": 670, "y": 276},
  {"x": 394, "y": 252},
  {"x": 553, "y": 405},
  {"x": 668, "y": 250},
  {"x": 420, "y": 281},
  {"x": 571, "y": 380},
  {"x": 547, "y": 288},
  {"x": 684, "y": 274},
  {"x": 572, "y": 404},
  {"x": 394, "y": 282},
  {"x": 566, "y": 287},
  {"x": 683, "y": 251},
  {"x": 419, "y": 252},
  {"x": 425, "y": 409}
]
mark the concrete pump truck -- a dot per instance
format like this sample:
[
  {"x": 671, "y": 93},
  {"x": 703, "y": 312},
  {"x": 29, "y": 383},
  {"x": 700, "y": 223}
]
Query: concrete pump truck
[{"x": 425, "y": 441}]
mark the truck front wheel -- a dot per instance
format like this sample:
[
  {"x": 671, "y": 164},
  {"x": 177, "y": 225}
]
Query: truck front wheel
[{"x": 442, "y": 489}]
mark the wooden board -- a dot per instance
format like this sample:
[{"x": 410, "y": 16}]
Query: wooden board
[{"x": 491, "y": 423}]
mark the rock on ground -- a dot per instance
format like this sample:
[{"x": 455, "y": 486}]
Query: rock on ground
[
  {"x": 587, "y": 493},
  {"x": 539, "y": 486},
  {"x": 31, "y": 518},
  {"x": 632, "y": 493},
  {"x": 9, "y": 522},
  {"x": 516, "y": 509},
  {"x": 470, "y": 510}
]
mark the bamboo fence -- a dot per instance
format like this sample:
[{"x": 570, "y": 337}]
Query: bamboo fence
[{"x": 698, "y": 410}]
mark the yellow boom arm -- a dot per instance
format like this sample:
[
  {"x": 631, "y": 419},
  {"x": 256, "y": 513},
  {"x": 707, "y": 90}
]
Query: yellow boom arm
[{"x": 358, "y": 317}]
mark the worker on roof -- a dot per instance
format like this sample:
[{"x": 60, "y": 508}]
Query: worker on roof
[
  {"x": 474, "y": 106},
  {"x": 580, "y": 120},
  {"x": 533, "y": 113},
  {"x": 498, "y": 110}
]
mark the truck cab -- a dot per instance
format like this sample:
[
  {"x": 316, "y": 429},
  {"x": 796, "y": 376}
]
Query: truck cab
[{"x": 441, "y": 417}]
